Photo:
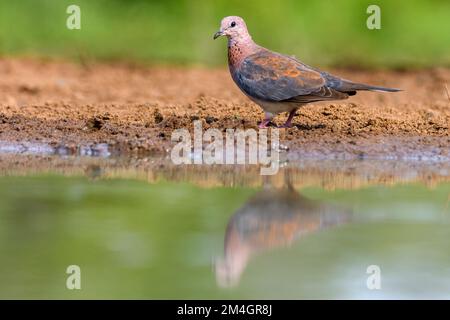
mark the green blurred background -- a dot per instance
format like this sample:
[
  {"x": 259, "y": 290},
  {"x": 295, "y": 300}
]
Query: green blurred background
[{"x": 413, "y": 33}]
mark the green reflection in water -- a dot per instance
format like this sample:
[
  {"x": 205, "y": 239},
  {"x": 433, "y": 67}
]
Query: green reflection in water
[{"x": 138, "y": 240}]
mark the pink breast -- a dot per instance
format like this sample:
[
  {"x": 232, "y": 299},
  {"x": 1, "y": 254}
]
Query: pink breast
[{"x": 235, "y": 56}]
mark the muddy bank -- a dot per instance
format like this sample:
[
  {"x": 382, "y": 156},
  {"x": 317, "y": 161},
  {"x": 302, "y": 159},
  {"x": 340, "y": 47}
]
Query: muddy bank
[{"x": 135, "y": 109}]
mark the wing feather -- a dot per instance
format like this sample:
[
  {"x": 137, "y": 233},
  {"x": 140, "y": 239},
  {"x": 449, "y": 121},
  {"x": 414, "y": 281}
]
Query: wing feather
[{"x": 270, "y": 76}]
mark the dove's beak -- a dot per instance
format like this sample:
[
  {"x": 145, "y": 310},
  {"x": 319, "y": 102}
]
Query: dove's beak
[{"x": 218, "y": 34}]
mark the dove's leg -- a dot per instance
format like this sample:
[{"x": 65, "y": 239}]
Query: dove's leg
[
  {"x": 288, "y": 123},
  {"x": 267, "y": 118}
]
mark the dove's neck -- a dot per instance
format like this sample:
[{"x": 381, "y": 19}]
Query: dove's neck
[{"x": 240, "y": 47}]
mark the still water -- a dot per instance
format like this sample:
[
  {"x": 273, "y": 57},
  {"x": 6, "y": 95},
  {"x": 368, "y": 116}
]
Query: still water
[{"x": 145, "y": 229}]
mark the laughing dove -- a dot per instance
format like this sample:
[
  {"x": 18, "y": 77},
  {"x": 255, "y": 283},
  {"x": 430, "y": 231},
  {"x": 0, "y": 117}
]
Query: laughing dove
[{"x": 277, "y": 82}]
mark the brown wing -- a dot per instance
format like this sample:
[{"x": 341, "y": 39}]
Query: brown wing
[{"x": 270, "y": 76}]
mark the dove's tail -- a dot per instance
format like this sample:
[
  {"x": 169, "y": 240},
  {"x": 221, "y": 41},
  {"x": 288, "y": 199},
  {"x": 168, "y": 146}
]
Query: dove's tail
[
  {"x": 351, "y": 88},
  {"x": 360, "y": 86}
]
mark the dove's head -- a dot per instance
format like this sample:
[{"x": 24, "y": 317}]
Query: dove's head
[{"x": 233, "y": 27}]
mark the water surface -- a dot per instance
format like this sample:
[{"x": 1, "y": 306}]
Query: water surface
[{"x": 141, "y": 228}]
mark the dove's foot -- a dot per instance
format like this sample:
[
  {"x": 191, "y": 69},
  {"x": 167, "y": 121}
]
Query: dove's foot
[
  {"x": 265, "y": 123},
  {"x": 288, "y": 123}
]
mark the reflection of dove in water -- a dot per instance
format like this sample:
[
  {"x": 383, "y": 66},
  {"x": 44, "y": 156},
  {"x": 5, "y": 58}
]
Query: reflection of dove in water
[{"x": 272, "y": 218}]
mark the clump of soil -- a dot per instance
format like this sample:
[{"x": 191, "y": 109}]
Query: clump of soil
[{"x": 137, "y": 108}]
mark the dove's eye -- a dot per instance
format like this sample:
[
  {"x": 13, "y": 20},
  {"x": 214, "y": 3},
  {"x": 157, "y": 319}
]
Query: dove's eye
[{"x": 233, "y": 24}]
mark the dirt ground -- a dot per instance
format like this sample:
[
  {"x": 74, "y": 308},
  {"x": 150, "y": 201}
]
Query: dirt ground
[{"x": 136, "y": 108}]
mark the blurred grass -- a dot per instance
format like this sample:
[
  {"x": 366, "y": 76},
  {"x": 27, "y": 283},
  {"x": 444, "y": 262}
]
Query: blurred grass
[{"x": 414, "y": 33}]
